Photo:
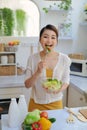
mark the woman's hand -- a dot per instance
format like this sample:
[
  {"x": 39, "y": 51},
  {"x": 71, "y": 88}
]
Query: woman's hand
[
  {"x": 51, "y": 92},
  {"x": 41, "y": 66}
]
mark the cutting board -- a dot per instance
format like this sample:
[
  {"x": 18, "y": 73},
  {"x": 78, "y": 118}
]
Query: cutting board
[{"x": 83, "y": 112}]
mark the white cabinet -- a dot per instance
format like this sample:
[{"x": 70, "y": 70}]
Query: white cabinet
[
  {"x": 8, "y": 65},
  {"x": 65, "y": 98},
  {"x": 13, "y": 86},
  {"x": 10, "y": 92},
  {"x": 76, "y": 98}
]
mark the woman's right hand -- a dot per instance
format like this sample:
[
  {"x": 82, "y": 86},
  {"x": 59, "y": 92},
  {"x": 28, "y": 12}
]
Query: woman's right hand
[{"x": 41, "y": 66}]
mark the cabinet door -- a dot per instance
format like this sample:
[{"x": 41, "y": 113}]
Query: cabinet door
[
  {"x": 10, "y": 92},
  {"x": 65, "y": 98},
  {"x": 76, "y": 98}
]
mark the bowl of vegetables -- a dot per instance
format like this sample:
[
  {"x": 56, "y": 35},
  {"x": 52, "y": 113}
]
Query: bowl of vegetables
[
  {"x": 37, "y": 120},
  {"x": 51, "y": 84}
]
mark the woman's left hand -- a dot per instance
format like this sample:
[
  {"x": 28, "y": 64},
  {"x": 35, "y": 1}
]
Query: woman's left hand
[{"x": 50, "y": 91}]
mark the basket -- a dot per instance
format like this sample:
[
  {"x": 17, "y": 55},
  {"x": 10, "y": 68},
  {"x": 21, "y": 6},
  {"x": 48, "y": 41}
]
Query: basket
[
  {"x": 10, "y": 48},
  {"x": 77, "y": 56},
  {"x": 7, "y": 70},
  {"x": 1, "y": 47},
  {"x": 20, "y": 71}
]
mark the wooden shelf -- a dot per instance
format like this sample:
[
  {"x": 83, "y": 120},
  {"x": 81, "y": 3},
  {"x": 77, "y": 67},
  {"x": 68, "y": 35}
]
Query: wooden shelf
[
  {"x": 83, "y": 23},
  {"x": 10, "y": 64},
  {"x": 58, "y": 10},
  {"x": 65, "y": 38}
]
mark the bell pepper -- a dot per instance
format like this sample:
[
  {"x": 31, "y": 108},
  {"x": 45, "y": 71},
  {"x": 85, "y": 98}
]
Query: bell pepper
[
  {"x": 46, "y": 123},
  {"x": 36, "y": 126}
]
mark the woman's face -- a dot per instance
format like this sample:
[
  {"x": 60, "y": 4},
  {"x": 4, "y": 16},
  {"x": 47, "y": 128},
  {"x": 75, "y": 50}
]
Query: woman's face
[{"x": 48, "y": 39}]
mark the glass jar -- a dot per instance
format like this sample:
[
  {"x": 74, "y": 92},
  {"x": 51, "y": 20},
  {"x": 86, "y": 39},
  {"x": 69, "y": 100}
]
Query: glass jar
[
  {"x": 11, "y": 59},
  {"x": 4, "y": 59}
]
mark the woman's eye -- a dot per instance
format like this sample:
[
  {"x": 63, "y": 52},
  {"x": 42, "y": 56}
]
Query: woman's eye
[
  {"x": 45, "y": 37},
  {"x": 53, "y": 37}
]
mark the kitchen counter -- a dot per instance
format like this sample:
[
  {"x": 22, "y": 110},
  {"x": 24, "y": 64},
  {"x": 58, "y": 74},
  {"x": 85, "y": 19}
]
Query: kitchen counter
[
  {"x": 11, "y": 81},
  {"x": 60, "y": 124},
  {"x": 15, "y": 81},
  {"x": 16, "y": 84},
  {"x": 13, "y": 86},
  {"x": 79, "y": 82}
]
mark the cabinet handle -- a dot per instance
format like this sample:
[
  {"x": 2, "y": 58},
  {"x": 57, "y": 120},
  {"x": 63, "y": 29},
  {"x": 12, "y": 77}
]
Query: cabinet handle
[{"x": 81, "y": 99}]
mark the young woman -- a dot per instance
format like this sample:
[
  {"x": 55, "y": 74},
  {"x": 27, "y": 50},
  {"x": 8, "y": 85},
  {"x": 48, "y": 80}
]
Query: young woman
[{"x": 47, "y": 63}]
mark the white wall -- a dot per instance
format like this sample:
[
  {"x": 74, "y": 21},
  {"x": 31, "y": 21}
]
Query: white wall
[{"x": 79, "y": 42}]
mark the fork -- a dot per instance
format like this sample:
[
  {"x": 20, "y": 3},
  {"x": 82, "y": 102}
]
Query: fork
[{"x": 70, "y": 119}]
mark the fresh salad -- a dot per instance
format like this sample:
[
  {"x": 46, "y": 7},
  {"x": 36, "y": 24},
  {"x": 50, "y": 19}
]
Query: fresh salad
[{"x": 52, "y": 84}]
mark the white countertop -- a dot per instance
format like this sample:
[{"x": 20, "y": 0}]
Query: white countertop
[
  {"x": 17, "y": 81},
  {"x": 60, "y": 124},
  {"x": 11, "y": 81},
  {"x": 79, "y": 82}
]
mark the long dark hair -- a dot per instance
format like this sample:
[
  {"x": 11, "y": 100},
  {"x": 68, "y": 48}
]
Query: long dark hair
[{"x": 49, "y": 27}]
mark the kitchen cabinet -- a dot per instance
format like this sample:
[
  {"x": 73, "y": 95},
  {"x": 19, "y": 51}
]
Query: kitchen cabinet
[
  {"x": 9, "y": 92},
  {"x": 13, "y": 86},
  {"x": 8, "y": 65},
  {"x": 65, "y": 98},
  {"x": 76, "y": 98}
]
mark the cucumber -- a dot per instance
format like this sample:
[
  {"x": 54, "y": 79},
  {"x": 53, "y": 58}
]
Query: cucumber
[
  {"x": 52, "y": 120},
  {"x": 26, "y": 127}
]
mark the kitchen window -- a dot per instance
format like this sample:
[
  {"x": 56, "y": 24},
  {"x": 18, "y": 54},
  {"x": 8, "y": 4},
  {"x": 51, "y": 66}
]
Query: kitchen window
[{"x": 32, "y": 16}]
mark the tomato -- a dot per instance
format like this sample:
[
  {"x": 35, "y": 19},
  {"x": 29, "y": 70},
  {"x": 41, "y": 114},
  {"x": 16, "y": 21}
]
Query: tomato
[
  {"x": 36, "y": 126},
  {"x": 10, "y": 43},
  {"x": 44, "y": 114}
]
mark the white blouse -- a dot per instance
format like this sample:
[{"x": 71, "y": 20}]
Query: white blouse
[{"x": 61, "y": 72}]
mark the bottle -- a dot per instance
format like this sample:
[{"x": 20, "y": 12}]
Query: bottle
[
  {"x": 22, "y": 107},
  {"x": 13, "y": 114}
]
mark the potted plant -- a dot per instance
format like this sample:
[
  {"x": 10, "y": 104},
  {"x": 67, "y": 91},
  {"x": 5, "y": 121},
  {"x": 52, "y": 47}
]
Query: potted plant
[
  {"x": 85, "y": 12},
  {"x": 6, "y": 21},
  {"x": 21, "y": 22},
  {"x": 65, "y": 4}
]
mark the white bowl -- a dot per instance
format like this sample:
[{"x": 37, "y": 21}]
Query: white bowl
[{"x": 51, "y": 84}]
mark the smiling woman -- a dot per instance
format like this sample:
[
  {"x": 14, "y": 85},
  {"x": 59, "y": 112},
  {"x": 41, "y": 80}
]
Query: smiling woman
[{"x": 29, "y": 12}]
